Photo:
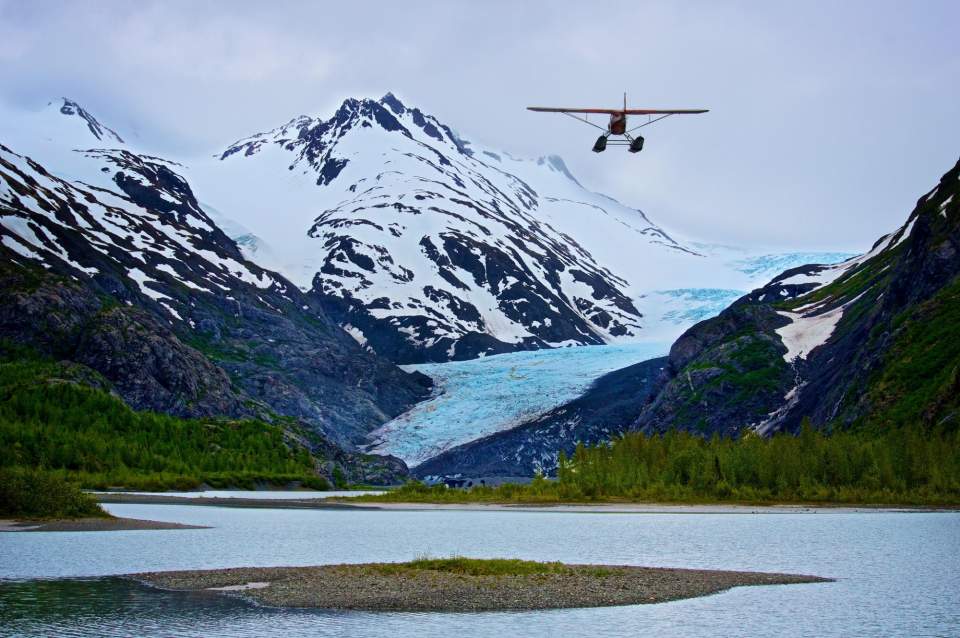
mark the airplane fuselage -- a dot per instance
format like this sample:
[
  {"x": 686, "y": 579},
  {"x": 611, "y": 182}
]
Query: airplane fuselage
[{"x": 618, "y": 123}]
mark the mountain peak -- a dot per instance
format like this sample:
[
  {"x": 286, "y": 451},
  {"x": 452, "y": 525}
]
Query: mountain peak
[
  {"x": 319, "y": 137},
  {"x": 390, "y": 100},
  {"x": 70, "y": 108}
]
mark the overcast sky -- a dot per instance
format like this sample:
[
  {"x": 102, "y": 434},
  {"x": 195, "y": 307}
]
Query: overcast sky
[{"x": 828, "y": 119}]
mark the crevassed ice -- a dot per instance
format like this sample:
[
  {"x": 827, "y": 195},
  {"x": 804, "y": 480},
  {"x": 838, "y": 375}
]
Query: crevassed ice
[{"x": 482, "y": 396}]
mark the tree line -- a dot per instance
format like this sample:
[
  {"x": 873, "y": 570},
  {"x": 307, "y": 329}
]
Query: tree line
[
  {"x": 48, "y": 421},
  {"x": 900, "y": 465},
  {"x": 905, "y": 465}
]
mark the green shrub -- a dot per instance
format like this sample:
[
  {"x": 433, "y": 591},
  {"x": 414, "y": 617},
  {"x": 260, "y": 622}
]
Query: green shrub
[{"x": 30, "y": 493}]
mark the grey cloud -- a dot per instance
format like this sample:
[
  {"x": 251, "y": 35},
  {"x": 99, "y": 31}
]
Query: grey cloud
[{"x": 827, "y": 119}]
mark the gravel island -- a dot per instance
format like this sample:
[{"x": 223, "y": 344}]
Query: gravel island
[{"x": 461, "y": 584}]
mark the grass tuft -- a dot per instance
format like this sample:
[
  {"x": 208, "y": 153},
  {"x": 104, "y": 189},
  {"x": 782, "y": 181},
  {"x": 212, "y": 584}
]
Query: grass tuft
[{"x": 482, "y": 567}]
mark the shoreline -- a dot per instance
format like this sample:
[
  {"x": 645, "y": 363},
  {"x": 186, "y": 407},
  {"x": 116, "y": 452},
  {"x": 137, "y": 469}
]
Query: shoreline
[
  {"x": 651, "y": 508},
  {"x": 221, "y": 501},
  {"x": 339, "y": 503},
  {"x": 400, "y": 588},
  {"x": 112, "y": 524}
]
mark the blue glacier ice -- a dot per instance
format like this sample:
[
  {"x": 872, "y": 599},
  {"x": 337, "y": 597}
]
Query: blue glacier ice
[
  {"x": 482, "y": 396},
  {"x": 687, "y": 306},
  {"x": 767, "y": 267}
]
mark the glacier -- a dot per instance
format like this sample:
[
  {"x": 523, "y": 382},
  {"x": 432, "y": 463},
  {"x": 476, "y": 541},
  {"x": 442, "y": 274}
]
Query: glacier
[{"x": 482, "y": 396}]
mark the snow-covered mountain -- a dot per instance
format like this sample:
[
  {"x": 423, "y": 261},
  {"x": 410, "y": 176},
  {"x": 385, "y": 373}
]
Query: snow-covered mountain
[
  {"x": 125, "y": 206},
  {"x": 427, "y": 247},
  {"x": 126, "y": 228},
  {"x": 421, "y": 246}
]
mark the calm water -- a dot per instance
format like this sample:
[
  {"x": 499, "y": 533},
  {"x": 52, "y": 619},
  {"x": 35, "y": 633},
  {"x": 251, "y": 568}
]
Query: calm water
[{"x": 899, "y": 573}]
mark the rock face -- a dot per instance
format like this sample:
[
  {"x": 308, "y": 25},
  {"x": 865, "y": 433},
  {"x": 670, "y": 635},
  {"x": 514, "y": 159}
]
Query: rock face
[
  {"x": 744, "y": 374},
  {"x": 104, "y": 134},
  {"x": 153, "y": 369},
  {"x": 127, "y": 351},
  {"x": 145, "y": 362},
  {"x": 601, "y": 413},
  {"x": 875, "y": 339}
]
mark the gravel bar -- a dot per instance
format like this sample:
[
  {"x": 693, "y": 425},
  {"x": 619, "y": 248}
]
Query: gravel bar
[
  {"x": 385, "y": 587},
  {"x": 89, "y": 525}
]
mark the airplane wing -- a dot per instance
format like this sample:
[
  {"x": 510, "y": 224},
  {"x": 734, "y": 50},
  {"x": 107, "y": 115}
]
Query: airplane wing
[
  {"x": 551, "y": 109},
  {"x": 663, "y": 111}
]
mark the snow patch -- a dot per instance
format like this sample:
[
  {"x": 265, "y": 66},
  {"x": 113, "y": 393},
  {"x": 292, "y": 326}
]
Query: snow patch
[
  {"x": 171, "y": 310},
  {"x": 142, "y": 279},
  {"x": 821, "y": 278},
  {"x": 944, "y": 204},
  {"x": 355, "y": 332},
  {"x": 806, "y": 332},
  {"x": 21, "y": 249},
  {"x": 905, "y": 232},
  {"x": 803, "y": 334}
]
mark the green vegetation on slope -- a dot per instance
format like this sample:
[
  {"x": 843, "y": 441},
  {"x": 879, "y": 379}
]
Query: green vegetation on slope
[
  {"x": 920, "y": 381},
  {"x": 27, "y": 493},
  {"x": 746, "y": 367},
  {"x": 900, "y": 466},
  {"x": 56, "y": 416}
]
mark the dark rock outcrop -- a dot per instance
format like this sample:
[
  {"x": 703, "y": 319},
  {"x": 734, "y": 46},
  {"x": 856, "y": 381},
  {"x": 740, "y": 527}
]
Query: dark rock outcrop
[
  {"x": 152, "y": 369},
  {"x": 146, "y": 364}
]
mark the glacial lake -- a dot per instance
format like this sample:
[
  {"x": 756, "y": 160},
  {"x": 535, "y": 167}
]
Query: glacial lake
[{"x": 898, "y": 573}]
